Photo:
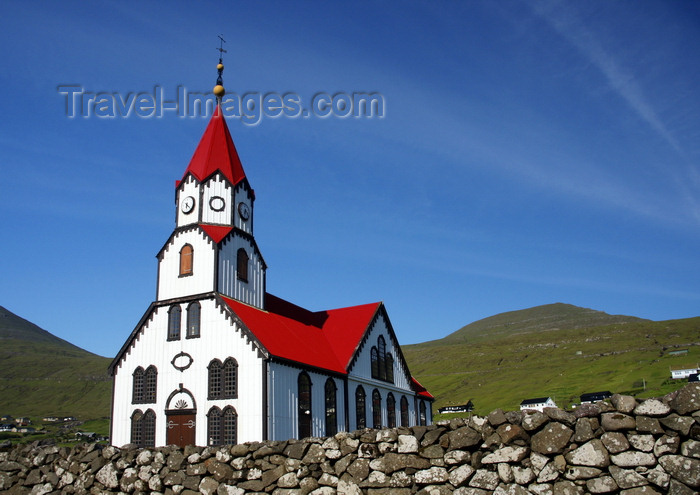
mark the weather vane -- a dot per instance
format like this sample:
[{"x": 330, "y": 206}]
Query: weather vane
[{"x": 219, "y": 88}]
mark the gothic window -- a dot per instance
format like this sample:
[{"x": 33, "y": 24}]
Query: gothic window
[
  {"x": 193, "y": 319},
  {"x": 242, "y": 265},
  {"x": 230, "y": 379},
  {"x": 381, "y": 346},
  {"x": 304, "y": 389},
  {"x": 376, "y": 409},
  {"x": 174, "y": 316},
  {"x": 150, "y": 384},
  {"x": 404, "y": 411},
  {"x": 360, "y": 407},
  {"x": 422, "y": 421},
  {"x": 389, "y": 368},
  {"x": 331, "y": 416},
  {"x": 136, "y": 418},
  {"x": 149, "y": 429},
  {"x": 391, "y": 411},
  {"x": 186, "y": 256},
  {"x": 137, "y": 392},
  {"x": 143, "y": 428},
  {"x": 214, "y": 426},
  {"x": 229, "y": 426},
  {"x": 215, "y": 369},
  {"x": 374, "y": 356}
]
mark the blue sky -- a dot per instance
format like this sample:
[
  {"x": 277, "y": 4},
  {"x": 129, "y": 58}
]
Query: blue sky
[{"x": 530, "y": 153}]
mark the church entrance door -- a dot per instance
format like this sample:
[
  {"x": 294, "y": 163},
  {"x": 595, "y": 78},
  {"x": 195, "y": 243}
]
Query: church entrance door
[{"x": 182, "y": 427}]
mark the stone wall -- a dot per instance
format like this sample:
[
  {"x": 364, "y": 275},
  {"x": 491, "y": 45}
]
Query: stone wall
[{"x": 623, "y": 446}]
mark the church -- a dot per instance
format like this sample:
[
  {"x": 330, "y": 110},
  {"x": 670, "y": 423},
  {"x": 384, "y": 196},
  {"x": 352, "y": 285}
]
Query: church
[{"x": 216, "y": 359}]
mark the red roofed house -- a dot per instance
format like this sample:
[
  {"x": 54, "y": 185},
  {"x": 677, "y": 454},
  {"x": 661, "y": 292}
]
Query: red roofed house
[{"x": 217, "y": 360}]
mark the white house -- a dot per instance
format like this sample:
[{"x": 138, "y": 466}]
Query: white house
[
  {"x": 685, "y": 372},
  {"x": 537, "y": 404},
  {"x": 216, "y": 359}
]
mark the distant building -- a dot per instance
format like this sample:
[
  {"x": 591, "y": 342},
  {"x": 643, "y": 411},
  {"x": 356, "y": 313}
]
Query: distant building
[
  {"x": 680, "y": 373},
  {"x": 679, "y": 352},
  {"x": 51, "y": 419},
  {"x": 594, "y": 397},
  {"x": 468, "y": 407},
  {"x": 693, "y": 378},
  {"x": 537, "y": 404},
  {"x": 24, "y": 421}
]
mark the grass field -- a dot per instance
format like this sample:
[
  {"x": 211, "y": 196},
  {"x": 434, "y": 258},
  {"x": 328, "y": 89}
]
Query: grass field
[{"x": 501, "y": 368}]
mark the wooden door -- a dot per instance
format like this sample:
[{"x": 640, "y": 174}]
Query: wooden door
[{"x": 182, "y": 427}]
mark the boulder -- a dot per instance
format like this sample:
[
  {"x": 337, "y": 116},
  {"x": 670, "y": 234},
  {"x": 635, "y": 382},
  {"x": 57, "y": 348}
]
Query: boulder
[{"x": 551, "y": 439}]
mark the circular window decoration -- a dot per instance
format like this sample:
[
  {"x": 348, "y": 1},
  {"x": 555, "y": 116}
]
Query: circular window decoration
[
  {"x": 182, "y": 361},
  {"x": 217, "y": 203}
]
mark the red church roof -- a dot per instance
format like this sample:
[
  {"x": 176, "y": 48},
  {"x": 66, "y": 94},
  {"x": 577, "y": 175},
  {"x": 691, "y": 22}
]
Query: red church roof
[
  {"x": 323, "y": 339},
  {"x": 216, "y": 152}
]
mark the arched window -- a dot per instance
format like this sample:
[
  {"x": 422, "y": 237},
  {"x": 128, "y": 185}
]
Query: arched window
[
  {"x": 193, "y": 320},
  {"x": 376, "y": 409},
  {"x": 136, "y": 428},
  {"x": 391, "y": 411},
  {"x": 137, "y": 391},
  {"x": 174, "y": 317},
  {"x": 230, "y": 379},
  {"x": 331, "y": 416},
  {"x": 360, "y": 407},
  {"x": 143, "y": 428},
  {"x": 381, "y": 346},
  {"x": 304, "y": 387},
  {"x": 374, "y": 356},
  {"x": 389, "y": 367},
  {"x": 215, "y": 379},
  {"x": 186, "y": 258},
  {"x": 242, "y": 265},
  {"x": 404, "y": 411},
  {"x": 150, "y": 384},
  {"x": 229, "y": 426},
  {"x": 214, "y": 426},
  {"x": 422, "y": 420},
  {"x": 149, "y": 429}
]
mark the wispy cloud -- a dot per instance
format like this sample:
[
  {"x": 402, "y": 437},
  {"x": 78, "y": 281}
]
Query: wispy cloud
[{"x": 564, "y": 20}]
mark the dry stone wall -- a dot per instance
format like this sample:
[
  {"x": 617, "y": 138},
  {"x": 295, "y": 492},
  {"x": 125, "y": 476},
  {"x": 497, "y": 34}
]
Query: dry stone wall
[{"x": 621, "y": 446}]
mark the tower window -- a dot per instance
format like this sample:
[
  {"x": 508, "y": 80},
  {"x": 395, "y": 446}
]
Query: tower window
[
  {"x": 193, "y": 320},
  {"x": 382, "y": 362},
  {"x": 186, "y": 256},
  {"x": 242, "y": 265},
  {"x": 174, "y": 317}
]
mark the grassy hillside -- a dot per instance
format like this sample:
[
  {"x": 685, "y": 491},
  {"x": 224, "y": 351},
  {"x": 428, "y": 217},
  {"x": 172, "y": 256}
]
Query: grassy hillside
[
  {"x": 556, "y": 350},
  {"x": 41, "y": 374}
]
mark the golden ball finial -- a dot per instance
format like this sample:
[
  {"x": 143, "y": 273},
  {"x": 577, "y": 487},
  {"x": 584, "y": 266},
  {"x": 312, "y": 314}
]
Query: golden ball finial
[
  {"x": 220, "y": 67},
  {"x": 219, "y": 91}
]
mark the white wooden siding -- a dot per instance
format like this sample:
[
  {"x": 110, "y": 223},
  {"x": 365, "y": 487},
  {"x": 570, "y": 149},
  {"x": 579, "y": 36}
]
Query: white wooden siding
[
  {"x": 283, "y": 402},
  {"x": 251, "y": 292},
  {"x": 217, "y": 187},
  {"x": 170, "y": 283},
  {"x": 219, "y": 339}
]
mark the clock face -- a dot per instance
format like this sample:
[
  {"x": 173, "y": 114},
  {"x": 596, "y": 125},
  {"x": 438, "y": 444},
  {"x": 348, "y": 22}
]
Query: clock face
[
  {"x": 244, "y": 210},
  {"x": 217, "y": 203},
  {"x": 187, "y": 204}
]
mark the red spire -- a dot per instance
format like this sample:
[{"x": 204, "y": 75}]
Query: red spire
[{"x": 216, "y": 152}]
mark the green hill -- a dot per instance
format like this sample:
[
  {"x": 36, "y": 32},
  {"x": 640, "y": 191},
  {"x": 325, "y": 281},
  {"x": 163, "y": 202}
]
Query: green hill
[
  {"x": 41, "y": 374},
  {"x": 556, "y": 350}
]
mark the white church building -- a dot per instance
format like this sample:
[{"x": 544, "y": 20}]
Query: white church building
[{"x": 216, "y": 359}]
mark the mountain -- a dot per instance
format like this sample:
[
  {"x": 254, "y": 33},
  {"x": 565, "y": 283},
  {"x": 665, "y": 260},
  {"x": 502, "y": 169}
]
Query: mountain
[
  {"x": 41, "y": 374},
  {"x": 556, "y": 350}
]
